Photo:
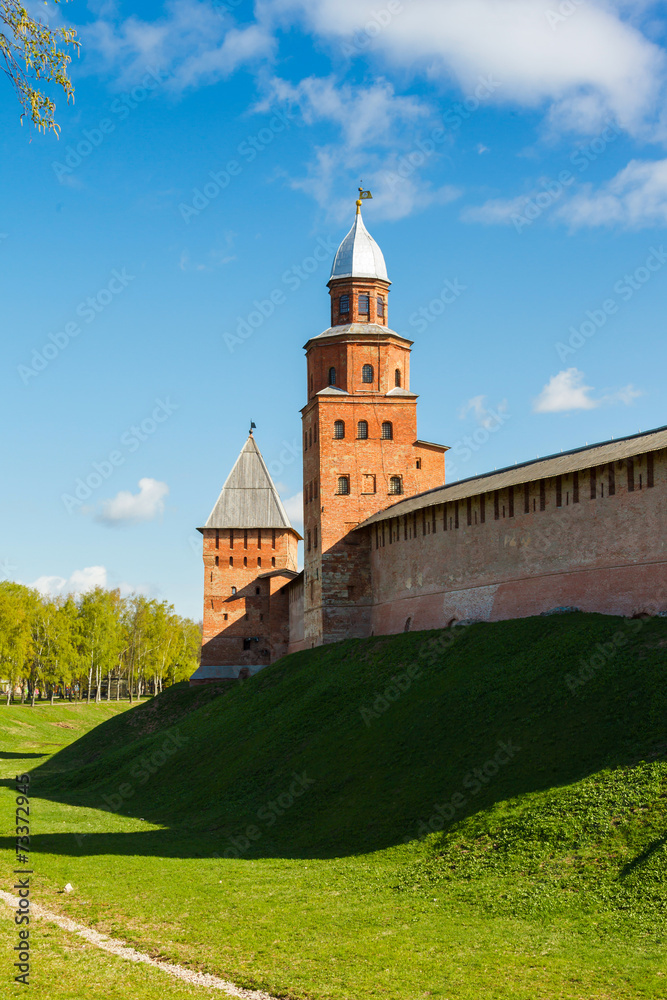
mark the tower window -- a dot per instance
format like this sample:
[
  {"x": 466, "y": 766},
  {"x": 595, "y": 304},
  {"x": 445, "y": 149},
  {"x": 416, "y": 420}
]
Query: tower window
[
  {"x": 309, "y": 542},
  {"x": 364, "y": 305},
  {"x": 344, "y": 304},
  {"x": 217, "y": 560},
  {"x": 397, "y": 378},
  {"x": 259, "y": 561},
  {"x": 231, "y": 538},
  {"x": 418, "y": 463},
  {"x": 231, "y": 560},
  {"x": 217, "y": 539},
  {"x": 332, "y": 376},
  {"x": 315, "y": 537},
  {"x": 233, "y": 590},
  {"x": 395, "y": 485},
  {"x": 380, "y": 308},
  {"x": 273, "y": 560},
  {"x": 343, "y": 485},
  {"x": 367, "y": 373},
  {"x": 339, "y": 429},
  {"x": 362, "y": 430},
  {"x": 257, "y": 590},
  {"x": 245, "y": 560},
  {"x": 387, "y": 431}
]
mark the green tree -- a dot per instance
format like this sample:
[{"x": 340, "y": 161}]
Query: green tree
[
  {"x": 100, "y": 634},
  {"x": 35, "y": 54},
  {"x": 15, "y": 634}
]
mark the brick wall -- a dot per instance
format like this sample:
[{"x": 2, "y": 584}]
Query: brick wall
[{"x": 597, "y": 541}]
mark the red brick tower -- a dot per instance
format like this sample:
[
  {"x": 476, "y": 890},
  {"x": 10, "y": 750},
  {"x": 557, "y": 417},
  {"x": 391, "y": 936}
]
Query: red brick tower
[
  {"x": 250, "y": 553},
  {"x": 361, "y": 450}
]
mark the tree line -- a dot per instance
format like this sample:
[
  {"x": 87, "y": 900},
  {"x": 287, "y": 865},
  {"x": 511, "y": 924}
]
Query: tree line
[{"x": 80, "y": 646}]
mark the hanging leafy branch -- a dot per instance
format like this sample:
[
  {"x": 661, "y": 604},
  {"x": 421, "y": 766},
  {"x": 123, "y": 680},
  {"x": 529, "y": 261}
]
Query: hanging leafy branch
[{"x": 34, "y": 54}]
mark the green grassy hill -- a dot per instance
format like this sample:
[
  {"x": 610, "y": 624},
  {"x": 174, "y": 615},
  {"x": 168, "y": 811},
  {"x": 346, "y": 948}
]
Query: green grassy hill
[{"x": 535, "y": 769}]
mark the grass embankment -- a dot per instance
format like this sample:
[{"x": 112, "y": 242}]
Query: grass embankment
[{"x": 277, "y": 834}]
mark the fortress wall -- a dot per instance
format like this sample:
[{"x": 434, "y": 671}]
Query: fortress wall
[
  {"x": 606, "y": 553},
  {"x": 295, "y": 592}
]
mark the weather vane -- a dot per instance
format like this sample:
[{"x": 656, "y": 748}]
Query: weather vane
[
  {"x": 253, "y": 427},
  {"x": 363, "y": 195}
]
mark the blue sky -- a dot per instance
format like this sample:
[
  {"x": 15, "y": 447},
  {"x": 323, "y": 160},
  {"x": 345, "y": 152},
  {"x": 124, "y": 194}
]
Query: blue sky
[{"x": 205, "y": 175}]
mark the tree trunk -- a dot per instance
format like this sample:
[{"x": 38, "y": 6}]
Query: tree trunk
[
  {"x": 109, "y": 684},
  {"x": 53, "y": 692},
  {"x": 90, "y": 684},
  {"x": 98, "y": 685}
]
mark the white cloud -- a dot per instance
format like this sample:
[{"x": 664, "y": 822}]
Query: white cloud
[
  {"x": 192, "y": 45},
  {"x": 497, "y": 211},
  {"x": 593, "y": 64},
  {"x": 294, "y": 508},
  {"x": 132, "y": 508},
  {"x": 484, "y": 417},
  {"x": 636, "y": 197},
  {"x": 567, "y": 391},
  {"x": 79, "y": 582}
]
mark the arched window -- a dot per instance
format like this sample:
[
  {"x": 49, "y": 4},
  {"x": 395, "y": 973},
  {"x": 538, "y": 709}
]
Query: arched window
[
  {"x": 367, "y": 373},
  {"x": 339, "y": 429},
  {"x": 397, "y": 377},
  {"x": 395, "y": 485},
  {"x": 387, "y": 431},
  {"x": 364, "y": 305},
  {"x": 233, "y": 590},
  {"x": 343, "y": 485},
  {"x": 344, "y": 304},
  {"x": 362, "y": 430},
  {"x": 332, "y": 376},
  {"x": 380, "y": 308}
]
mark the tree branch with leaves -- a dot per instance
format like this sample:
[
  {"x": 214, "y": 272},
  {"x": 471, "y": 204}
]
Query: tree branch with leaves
[{"x": 35, "y": 54}]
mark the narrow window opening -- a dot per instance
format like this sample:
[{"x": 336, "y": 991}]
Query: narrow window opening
[
  {"x": 387, "y": 431},
  {"x": 526, "y": 498},
  {"x": 482, "y": 510},
  {"x": 364, "y": 304},
  {"x": 233, "y": 590},
  {"x": 469, "y": 511},
  {"x": 543, "y": 494},
  {"x": 630, "y": 467},
  {"x": 332, "y": 376},
  {"x": 339, "y": 429},
  {"x": 367, "y": 373},
  {"x": 418, "y": 463},
  {"x": 217, "y": 539},
  {"x": 259, "y": 561},
  {"x": 273, "y": 539},
  {"x": 559, "y": 491},
  {"x": 231, "y": 560},
  {"x": 649, "y": 471},
  {"x": 496, "y": 505},
  {"x": 593, "y": 484},
  {"x": 257, "y": 590},
  {"x": 245, "y": 560},
  {"x": 510, "y": 501},
  {"x": 612, "y": 479},
  {"x": 217, "y": 560},
  {"x": 231, "y": 538},
  {"x": 397, "y": 378},
  {"x": 343, "y": 485},
  {"x": 245, "y": 539},
  {"x": 575, "y": 487},
  {"x": 362, "y": 430},
  {"x": 273, "y": 560},
  {"x": 456, "y": 514}
]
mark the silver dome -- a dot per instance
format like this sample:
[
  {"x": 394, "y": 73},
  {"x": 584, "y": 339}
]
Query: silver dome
[{"x": 359, "y": 256}]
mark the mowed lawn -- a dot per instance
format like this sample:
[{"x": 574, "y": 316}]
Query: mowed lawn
[{"x": 548, "y": 884}]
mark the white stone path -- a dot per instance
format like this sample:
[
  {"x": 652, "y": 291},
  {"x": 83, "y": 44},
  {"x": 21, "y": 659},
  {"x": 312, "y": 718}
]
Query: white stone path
[{"x": 116, "y": 947}]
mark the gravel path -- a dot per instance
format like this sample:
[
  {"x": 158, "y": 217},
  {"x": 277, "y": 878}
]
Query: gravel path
[{"x": 116, "y": 947}]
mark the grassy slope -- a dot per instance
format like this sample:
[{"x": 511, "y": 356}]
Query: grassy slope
[{"x": 549, "y": 880}]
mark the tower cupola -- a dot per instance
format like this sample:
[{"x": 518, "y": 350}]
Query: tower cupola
[{"x": 359, "y": 284}]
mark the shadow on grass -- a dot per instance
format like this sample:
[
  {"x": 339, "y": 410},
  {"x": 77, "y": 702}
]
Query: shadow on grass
[
  {"x": 495, "y": 715},
  {"x": 5, "y": 755}
]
